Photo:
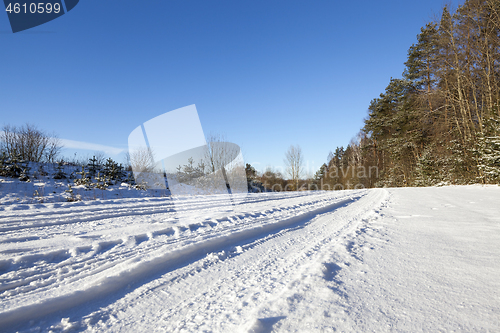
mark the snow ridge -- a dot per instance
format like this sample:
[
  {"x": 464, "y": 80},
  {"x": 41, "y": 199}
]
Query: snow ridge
[{"x": 100, "y": 267}]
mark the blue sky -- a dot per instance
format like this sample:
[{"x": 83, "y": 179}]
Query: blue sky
[{"x": 266, "y": 74}]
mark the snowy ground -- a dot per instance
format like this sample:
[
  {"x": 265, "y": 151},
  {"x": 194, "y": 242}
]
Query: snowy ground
[{"x": 409, "y": 260}]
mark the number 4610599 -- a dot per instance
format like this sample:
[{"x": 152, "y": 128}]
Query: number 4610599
[{"x": 33, "y": 8}]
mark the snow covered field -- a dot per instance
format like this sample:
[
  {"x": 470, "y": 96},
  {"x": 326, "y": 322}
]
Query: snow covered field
[{"x": 409, "y": 260}]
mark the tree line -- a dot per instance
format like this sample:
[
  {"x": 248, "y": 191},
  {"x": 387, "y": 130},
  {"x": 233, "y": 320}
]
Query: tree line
[
  {"x": 437, "y": 124},
  {"x": 440, "y": 122}
]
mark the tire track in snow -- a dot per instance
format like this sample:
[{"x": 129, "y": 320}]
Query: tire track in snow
[
  {"x": 238, "y": 290},
  {"x": 108, "y": 207},
  {"x": 18, "y": 221},
  {"x": 97, "y": 261}
]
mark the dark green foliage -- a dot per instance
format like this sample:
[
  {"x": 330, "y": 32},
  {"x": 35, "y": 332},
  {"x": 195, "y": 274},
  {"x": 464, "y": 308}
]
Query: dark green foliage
[
  {"x": 422, "y": 59},
  {"x": 4, "y": 162},
  {"x": 437, "y": 125},
  {"x": 250, "y": 171},
  {"x": 113, "y": 171},
  {"x": 101, "y": 182},
  {"x": 60, "y": 174},
  {"x": 320, "y": 174},
  {"x": 84, "y": 178},
  {"x": 130, "y": 178},
  {"x": 93, "y": 166},
  {"x": 14, "y": 167},
  {"x": 488, "y": 151},
  {"x": 96, "y": 176},
  {"x": 254, "y": 185}
]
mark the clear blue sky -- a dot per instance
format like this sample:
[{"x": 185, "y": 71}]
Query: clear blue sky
[{"x": 266, "y": 73}]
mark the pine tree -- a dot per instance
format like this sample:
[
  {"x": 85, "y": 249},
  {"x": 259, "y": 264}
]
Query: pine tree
[
  {"x": 4, "y": 162},
  {"x": 254, "y": 185},
  {"x": 422, "y": 60},
  {"x": 84, "y": 178},
  {"x": 130, "y": 178},
  {"x": 189, "y": 172},
  {"x": 102, "y": 182},
  {"x": 489, "y": 152},
  {"x": 394, "y": 124},
  {"x": 93, "y": 166},
  {"x": 427, "y": 171},
  {"x": 113, "y": 171},
  {"x": 60, "y": 174},
  {"x": 250, "y": 171},
  {"x": 17, "y": 168},
  {"x": 320, "y": 174}
]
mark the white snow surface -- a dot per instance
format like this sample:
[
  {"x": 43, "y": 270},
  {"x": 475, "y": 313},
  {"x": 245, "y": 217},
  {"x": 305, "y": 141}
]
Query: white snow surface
[{"x": 381, "y": 260}]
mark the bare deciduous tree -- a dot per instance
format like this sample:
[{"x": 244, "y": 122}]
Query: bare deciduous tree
[
  {"x": 222, "y": 156},
  {"x": 147, "y": 172},
  {"x": 30, "y": 143},
  {"x": 218, "y": 153},
  {"x": 142, "y": 160},
  {"x": 294, "y": 164}
]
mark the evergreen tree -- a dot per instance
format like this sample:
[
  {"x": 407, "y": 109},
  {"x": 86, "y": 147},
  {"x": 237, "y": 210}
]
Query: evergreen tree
[
  {"x": 338, "y": 157},
  {"x": 420, "y": 66},
  {"x": 15, "y": 167},
  {"x": 84, "y": 178},
  {"x": 254, "y": 185},
  {"x": 394, "y": 124},
  {"x": 250, "y": 171},
  {"x": 190, "y": 171},
  {"x": 433, "y": 125},
  {"x": 101, "y": 181},
  {"x": 60, "y": 174},
  {"x": 489, "y": 152},
  {"x": 4, "y": 162},
  {"x": 320, "y": 174},
  {"x": 427, "y": 170},
  {"x": 130, "y": 178},
  {"x": 113, "y": 171},
  {"x": 93, "y": 166}
]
